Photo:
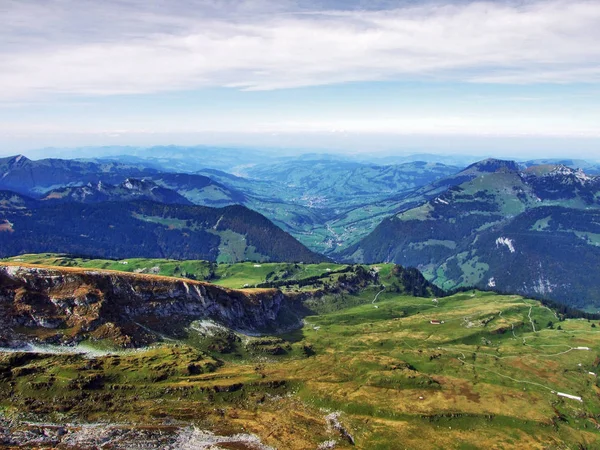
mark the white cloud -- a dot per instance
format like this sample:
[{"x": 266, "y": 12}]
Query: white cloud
[{"x": 106, "y": 48}]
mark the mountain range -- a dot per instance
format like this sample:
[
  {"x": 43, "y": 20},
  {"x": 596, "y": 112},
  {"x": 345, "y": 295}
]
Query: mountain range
[
  {"x": 127, "y": 320},
  {"x": 532, "y": 231},
  {"x": 130, "y": 189},
  {"x": 487, "y": 225}
]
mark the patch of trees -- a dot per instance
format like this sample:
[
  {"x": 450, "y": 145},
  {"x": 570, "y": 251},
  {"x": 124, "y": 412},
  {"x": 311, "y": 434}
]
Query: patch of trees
[
  {"x": 412, "y": 282},
  {"x": 317, "y": 280}
]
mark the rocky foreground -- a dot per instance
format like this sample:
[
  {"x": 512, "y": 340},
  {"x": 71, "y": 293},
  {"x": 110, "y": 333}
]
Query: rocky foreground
[
  {"x": 65, "y": 306},
  {"x": 161, "y": 437}
]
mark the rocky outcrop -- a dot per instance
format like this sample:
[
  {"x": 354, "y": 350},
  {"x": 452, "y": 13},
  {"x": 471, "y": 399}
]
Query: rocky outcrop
[
  {"x": 65, "y": 305},
  {"x": 72, "y": 436}
]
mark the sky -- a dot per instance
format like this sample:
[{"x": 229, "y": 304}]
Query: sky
[{"x": 501, "y": 78}]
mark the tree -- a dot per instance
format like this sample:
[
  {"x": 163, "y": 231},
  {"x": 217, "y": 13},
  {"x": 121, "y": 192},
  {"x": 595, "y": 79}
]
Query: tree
[{"x": 550, "y": 325}]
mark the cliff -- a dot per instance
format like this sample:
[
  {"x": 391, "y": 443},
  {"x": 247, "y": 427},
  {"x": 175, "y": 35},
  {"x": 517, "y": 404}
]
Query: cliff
[{"x": 67, "y": 305}]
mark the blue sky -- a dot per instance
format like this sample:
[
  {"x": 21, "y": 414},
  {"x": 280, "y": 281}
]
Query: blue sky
[{"x": 502, "y": 78}]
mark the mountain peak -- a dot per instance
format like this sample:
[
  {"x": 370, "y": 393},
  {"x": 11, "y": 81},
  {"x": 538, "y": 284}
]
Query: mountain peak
[
  {"x": 17, "y": 160},
  {"x": 563, "y": 171},
  {"x": 560, "y": 171},
  {"x": 492, "y": 165}
]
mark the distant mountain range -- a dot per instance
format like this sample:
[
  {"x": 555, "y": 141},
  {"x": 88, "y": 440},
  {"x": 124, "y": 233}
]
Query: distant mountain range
[
  {"x": 336, "y": 184},
  {"x": 130, "y": 189},
  {"x": 308, "y": 198},
  {"x": 533, "y": 231},
  {"x": 39, "y": 178},
  {"x": 479, "y": 226},
  {"x": 591, "y": 168},
  {"x": 22, "y": 175}
]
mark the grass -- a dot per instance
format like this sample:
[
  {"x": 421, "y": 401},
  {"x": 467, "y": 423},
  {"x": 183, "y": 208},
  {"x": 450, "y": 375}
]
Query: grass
[
  {"x": 238, "y": 275},
  {"x": 482, "y": 379}
]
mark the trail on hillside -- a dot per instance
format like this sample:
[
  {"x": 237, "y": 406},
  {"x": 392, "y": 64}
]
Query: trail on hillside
[
  {"x": 377, "y": 295},
  {"x": 530, "y": 319}
]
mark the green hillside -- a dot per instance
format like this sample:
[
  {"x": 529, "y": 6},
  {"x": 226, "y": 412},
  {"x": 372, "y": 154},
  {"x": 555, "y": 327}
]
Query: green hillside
[
  {"x": 362, "y": 377},
  {"x": 532, "y": 232},
  {"x": 145, "y": 229},
  {"x": 235, "y": 275}
]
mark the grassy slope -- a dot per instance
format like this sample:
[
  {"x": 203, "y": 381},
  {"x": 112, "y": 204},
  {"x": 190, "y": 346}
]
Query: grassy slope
[
  {"x": 483, "y": 379},
  {"x": 229, "y": 275}
]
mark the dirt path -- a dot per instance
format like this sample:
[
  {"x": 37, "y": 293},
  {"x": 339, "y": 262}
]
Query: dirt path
[
  {"x": 530, "y": 319},
  {"x": 462, "y": 360},
  {"x": 375, "y": 299}
]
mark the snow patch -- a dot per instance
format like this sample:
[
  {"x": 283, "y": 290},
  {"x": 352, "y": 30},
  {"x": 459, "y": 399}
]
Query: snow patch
[
  {"x": 491, "y": 282},
  {"x": 207, "y": 327},
  {"x": 507, "y": 242},
  {"x": 543, "y": 286}
]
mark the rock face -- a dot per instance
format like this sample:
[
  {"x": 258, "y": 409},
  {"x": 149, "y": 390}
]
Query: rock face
[{"x": 65, "y": 305}]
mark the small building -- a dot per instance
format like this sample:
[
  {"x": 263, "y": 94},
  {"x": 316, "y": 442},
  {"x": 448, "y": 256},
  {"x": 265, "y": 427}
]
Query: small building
[{"x": 436, "y": 322}]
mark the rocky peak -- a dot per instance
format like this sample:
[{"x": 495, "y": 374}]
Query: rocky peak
[
  {"x": 567, "y": 174},
  {"x": 12, "y": 163},
  {"x": 18, "y": 161},
  {"x": 134, "y": 184},
  {"x": 131, "y": 183},
  {"x": 561, "y": 169}
]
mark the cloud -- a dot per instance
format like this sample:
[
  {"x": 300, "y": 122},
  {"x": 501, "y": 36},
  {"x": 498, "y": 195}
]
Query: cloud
[{"x": 135, "y": 47}]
